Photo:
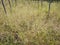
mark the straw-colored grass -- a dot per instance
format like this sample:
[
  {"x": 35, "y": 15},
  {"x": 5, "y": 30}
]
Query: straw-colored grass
[{"x": 26, "y": 24}]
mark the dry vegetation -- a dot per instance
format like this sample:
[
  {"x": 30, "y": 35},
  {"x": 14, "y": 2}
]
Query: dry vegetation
[{"x": 26, "y": 24}]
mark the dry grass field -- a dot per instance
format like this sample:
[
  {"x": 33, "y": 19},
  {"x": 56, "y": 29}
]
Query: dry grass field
[{"x": 26, "y": 24}]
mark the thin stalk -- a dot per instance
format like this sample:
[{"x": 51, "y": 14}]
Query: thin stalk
[
  {"x": 41, "y": 3},
  {"x": 3, "y": 6},
  {"x": 9, "y": 3},
  {"x": 49, "y": 7},
  {"x": 15, "y": 2}
]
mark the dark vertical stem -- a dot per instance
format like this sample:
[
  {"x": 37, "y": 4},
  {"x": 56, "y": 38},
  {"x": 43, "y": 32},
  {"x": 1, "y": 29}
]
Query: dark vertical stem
[
  {"x": 3, "y": 6},
  {"x": 15, "y": 2},
  {"x": 49, "y": 6},
  {"x": 12, "y": 1},
  {"x": 38, "y": 7},
  {"x": 38, "y": 3},
  {"x": 49, "y": 9},
  {"x": 9, "y": 3},
  {"x": 41, "y": 3}
]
